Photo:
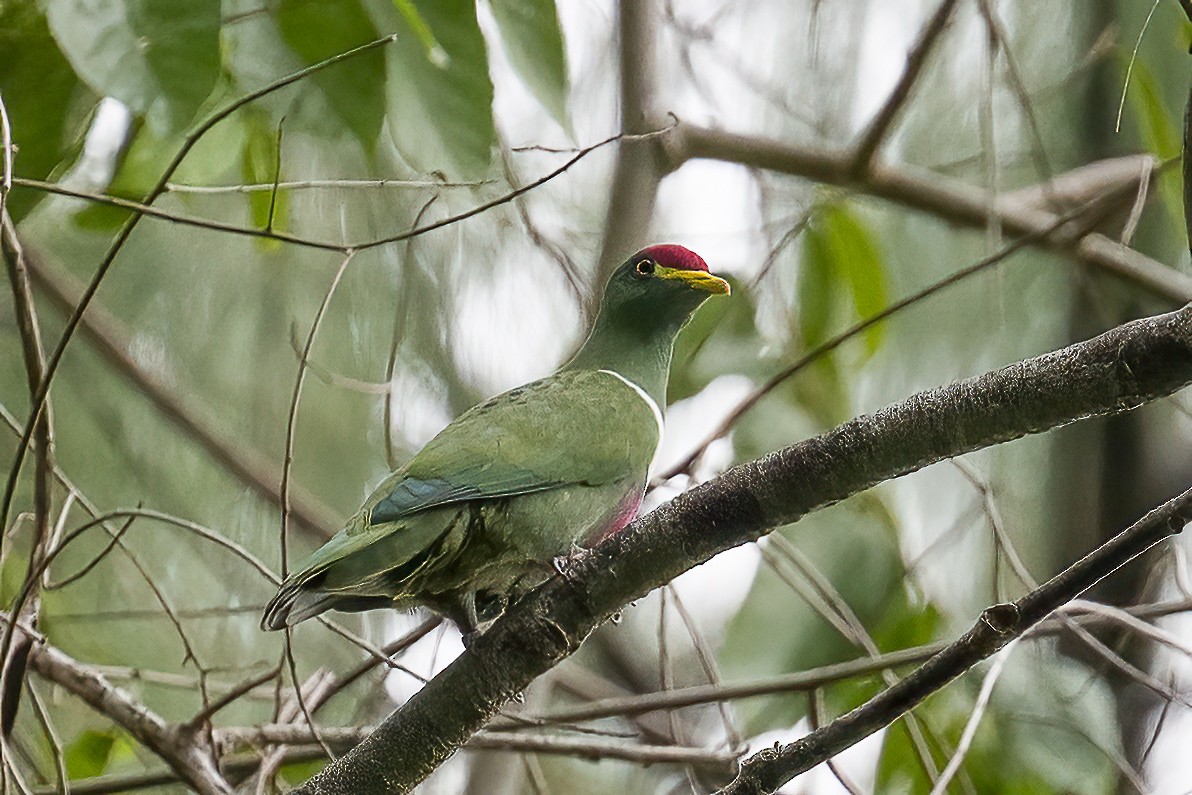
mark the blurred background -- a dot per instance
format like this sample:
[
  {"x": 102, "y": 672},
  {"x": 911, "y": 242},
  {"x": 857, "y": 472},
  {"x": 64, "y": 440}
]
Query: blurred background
[{"x": 753, "y": 141}]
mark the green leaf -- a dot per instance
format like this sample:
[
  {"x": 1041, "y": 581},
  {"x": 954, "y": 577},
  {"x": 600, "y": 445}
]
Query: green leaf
[
  {"x": 440, "y": 102},
  {"x": 840, "y": 248},
  {"x": 354, "y": 88},
  {"x": 161, "y": 59},
  {"x": 38, "y": 85},
  {"x": 534, "y": 43},
  {"x": 422, "y": 31},
  {"x": 1159, "y": 132},
  {"x": 816, "y": 286},
  {"x": 89, "y": 754},
  {"x": 259, "y": 165}
]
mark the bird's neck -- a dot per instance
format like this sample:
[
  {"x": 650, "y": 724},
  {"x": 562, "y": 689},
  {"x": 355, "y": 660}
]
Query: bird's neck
[{"x": 641, "y": 354}]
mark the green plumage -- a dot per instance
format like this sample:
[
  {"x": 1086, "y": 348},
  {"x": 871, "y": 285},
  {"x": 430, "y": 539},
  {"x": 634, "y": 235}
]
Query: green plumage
[{"x": 477, "y": 516}]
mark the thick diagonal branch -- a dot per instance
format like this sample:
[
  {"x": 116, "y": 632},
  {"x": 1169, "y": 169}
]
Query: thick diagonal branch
[{"x": 1117, "y": 371}]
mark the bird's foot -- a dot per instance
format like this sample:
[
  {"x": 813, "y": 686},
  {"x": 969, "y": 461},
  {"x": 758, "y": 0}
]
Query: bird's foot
[{"x": 564, "y": 564}]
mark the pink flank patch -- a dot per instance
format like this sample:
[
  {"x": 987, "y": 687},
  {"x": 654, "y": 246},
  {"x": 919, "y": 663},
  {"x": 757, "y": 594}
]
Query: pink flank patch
[
  {"x": 670, "y": 255},
  {"x": 624, "y": 514}
]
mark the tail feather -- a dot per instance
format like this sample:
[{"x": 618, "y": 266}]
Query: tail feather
[{"x": 302, "y": 597}]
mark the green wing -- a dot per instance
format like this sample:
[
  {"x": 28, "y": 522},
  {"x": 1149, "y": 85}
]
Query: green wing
[{"x": 577, "y": 427}]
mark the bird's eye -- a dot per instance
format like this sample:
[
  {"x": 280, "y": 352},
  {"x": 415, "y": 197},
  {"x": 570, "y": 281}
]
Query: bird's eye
[{"x": 644, "y": 268}]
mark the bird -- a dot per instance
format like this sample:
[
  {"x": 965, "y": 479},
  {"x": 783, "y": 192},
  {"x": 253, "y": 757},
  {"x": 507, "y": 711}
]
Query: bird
[{"x": 515, "y": 485}]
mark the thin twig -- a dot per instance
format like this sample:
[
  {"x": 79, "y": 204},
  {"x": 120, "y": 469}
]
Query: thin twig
[
  {"x": 816, "y": 711},
  {"x": 835, "y": 342},
  {"x": 146, "y": 210},
  {"x": 871, "y": 139},
  {"x": 122, "y": 237},
  {"x": 291, "y": 426},
  {"x": 513, "y": 194},
  {"x": 52, "y": 739},
  {"x": 309, "y": 184},
  {"x": 1117, "y": 127},
  {"x": 248, "y": 685},
  {"x": 15, "y": 650},
  {"x": 970, "y": 728},
  {"x": 997, "y": 626}
]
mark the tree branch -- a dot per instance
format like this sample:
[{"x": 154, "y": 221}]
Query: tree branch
[
  {"x": 1114, "y": 372},
  {"x": 188, "y": 756},
  {"x": 873, "y": 136},
  {"x": 639, "y": 168},
  {"x": 941, "y": 196},
  {"x": 768, "y": 770}
]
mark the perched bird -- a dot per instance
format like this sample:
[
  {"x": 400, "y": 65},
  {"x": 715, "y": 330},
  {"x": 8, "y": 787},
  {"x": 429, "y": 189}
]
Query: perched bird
[{"x": 477, "y": 517}]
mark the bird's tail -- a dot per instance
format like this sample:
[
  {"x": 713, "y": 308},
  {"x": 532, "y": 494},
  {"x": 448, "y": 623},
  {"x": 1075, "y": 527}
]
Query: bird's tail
[
  {"x": 298, "y": 599},
  {"x": 304, "y": 595}
]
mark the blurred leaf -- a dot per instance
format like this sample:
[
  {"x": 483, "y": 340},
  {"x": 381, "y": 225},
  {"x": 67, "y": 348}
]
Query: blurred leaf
[
  {"x": 816, "y": 287},
  {"x": 37, "y": 84},
  {"x": 534, "y": 42},
  {"x": 838, "y": 247},
  {"x": 145, "y": 161},
  {"x": 259, "y": 165},
  {"x": 440, "y": 103},
  {"x": 319, "y": 29},
  {"x": 422, "y": 31},
  {"x": 1160, "y": 135},
  {"x": 721, "y": 338},
  {"x": 160, "y": 59},
  {"x": 91, "y": 753},
  {"x": 297, "y": 772}
]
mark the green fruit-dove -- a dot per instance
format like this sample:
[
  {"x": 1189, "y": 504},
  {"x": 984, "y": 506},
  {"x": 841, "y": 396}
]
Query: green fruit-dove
[{"x": 477, "y": 516}]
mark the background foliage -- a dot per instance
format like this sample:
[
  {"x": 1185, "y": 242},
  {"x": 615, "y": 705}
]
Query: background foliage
[{"x": 177, "y": 390}]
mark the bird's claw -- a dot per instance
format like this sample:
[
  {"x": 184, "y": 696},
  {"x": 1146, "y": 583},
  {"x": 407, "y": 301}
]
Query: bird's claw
[{"x": 563, "y": 564}]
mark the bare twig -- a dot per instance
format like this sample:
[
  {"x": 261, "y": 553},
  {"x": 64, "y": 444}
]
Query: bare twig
[
  {"x": 292, "y": 417},
  {"x": 186, "y": 754},
  {"x": 998, "y": 625},
  {"x": 970, "y": 728},
  {"x": 317, "y": 184},
  {"x": 122, "y": 237},
  {"x": 945, "y": 198},
  {"x": 234, "y": 694},
  {"x": 871, "y": 139},
  {"x": 291, "y": 734},
  {"x": 144, "y": 209},
  {"x": 16, "y": 649},
  {"x": 816, "y": 712},
  {"x": 113, "y": 341}
]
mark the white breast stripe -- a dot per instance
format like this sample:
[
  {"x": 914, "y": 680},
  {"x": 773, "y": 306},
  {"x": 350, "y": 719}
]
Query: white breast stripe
[{"x": 642, "y": 394}]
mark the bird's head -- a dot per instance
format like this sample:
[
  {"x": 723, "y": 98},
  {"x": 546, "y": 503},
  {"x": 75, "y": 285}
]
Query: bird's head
[{"x": 659, "y": 287}]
